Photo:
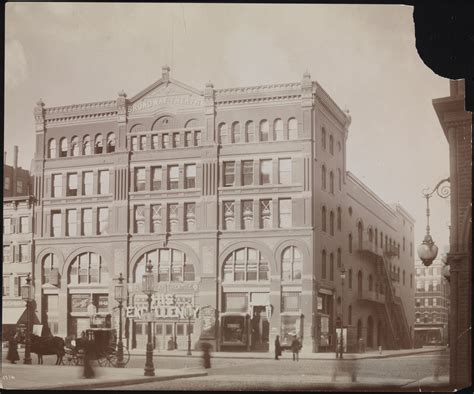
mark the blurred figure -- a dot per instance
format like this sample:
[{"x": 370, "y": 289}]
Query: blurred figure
[
  {"x": 441, "y": 364},
  {"x": 206, "y": 354},
  {"x": 88, "y": 347},
  {"x": 277, "y": 347},
  {"x": 295, "y": 347},
  {"x": 347, "y": 367},
  {"x": 12, "y": 354}
]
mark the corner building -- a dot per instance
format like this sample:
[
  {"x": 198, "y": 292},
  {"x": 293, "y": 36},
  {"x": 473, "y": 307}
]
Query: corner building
[{"x": 241, "y": 200}]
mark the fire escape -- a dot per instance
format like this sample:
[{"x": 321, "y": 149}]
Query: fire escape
[{"x": 387, "y": 302}]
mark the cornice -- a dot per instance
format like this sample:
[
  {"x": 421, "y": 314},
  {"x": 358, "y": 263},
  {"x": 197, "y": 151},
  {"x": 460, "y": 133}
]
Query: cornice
[
  {"x": 229, "y": 100},
  {"x": 259, "y": 89}
]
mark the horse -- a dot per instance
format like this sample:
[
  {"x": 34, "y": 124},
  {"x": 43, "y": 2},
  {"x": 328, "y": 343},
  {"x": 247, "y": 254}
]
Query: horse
[{"x": 48, "y": 346}]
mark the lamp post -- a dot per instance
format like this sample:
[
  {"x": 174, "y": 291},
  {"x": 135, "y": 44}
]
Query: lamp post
[
  {"x": 343, "y": 276},
  {"x": 428, "y": 250},
  {"x": 148, "y": 287},
  {"x": 27, "y": 294},
  {"x": 120, "y": 297},
  {"x": 188, "y": 313}
]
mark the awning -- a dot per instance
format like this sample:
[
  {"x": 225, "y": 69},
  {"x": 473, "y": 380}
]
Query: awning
[
  {"x": 11, "y": 315},
  {"x": 33, "y": 317}
]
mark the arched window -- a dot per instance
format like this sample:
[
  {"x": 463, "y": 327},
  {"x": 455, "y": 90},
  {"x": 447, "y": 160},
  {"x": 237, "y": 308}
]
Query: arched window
[
  {"x": 98, "y": 147},
  {"x": 371, "y": 234},
  {"x": 323, "y": 265},
  {"x": 331, "y": 144},
  {"x": 52, "y": 149},
  {"x": 323, "y": 138},
  {"x": 63, "y": 147},
  {"x": 323, "y": 218},
  {"x": 331, "y": 266},
  {"x": 264, "y": 130},
  {"x": 360, "y": 230},
  {"x": 50, "y": 269},
  {"x": 350, "y": 243},
  {"x": 88, "y": 268},
  {"x": 86, "y": 146},
  {"x": 75, "y": 146},
  {"x": 291, "y": 265},
  {"x": 339, "y": 179},
  {"x": 359, "y": 283},
  {"x": 339, "y": 258},
  {"x": 371, "y": 283},
  {"x": 331, "y": 182},
  {"x": 236, "y": 132},
  {"x": 331, "y": 223},
  {"x": 222, "y": 130},
  {"x": 110, "y": 143},
  {"x": 350, "y": 278},
  {"x": 339, "y": 218},
  {"x": 323, "y": 177},
  {"x": 292, "y": 129},
  {"x": 278, "y": 129},
  {"x": 169, "y": 265},
  {"x": 249, "y": 131},
  {"x": 245, "y": 264}
]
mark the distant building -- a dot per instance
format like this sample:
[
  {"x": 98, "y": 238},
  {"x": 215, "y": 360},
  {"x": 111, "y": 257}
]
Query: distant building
[
  {"x": 431, "y": 305},
  {"x": 16, "y": 181},
  {"x": 241, "y": 200}
]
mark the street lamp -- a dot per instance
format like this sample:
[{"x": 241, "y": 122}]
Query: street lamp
[
  {"x": 428, "y": 250},
  {"x": 27, "y": 294},
  {"x": 120, "y": 297},
  {"x": 343, "y": 276},
  {"x": 188, "y": 313},
  {"x": 148, "y": 287}
]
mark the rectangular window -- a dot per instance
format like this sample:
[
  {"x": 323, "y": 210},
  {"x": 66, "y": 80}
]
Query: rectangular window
[
  {"x": 229, "y": 215},
  {"x": 87, "y": 221},
  {"x": 285, "y": 212},
  {"x": 24, "y": 254},
  {"x": 7, "y": 183},
  {"x": 57, "y": 189},
  {"x": 139, "y": 179},
  {"x": 104, "y": 182},
  {"x": 142, "y": 144},
  {"x": 6, "y": 286},
  {"x": 7, "y": 225},
  {"x": 247, "y": 172},
  {"x": 156, "y": 218},
  {"x": 55, "y": 223},
  {"x": 87, "y": 183},
  {"x": 71, "y": 222},
  {"x": 197, "y": 138},
  {"x": 290, "y": 301},
  {"x": 134, "y": 141},
  {"x": 176, "y": 140},
  {"x": 265, "y": 213},
  {"x": 156, "y": 178},
  {"x": 166, "y": 141},
  {"x": 7, "y": 256},
  {"x": 247, "y": 214},
  {"x": 154, "y": 141},
  {"x": 229, "y": 173},
  {"x": 426, "y": 301},
  {"x": 235, "y": 302},
  {"x": 71, "y": 185},
  {"x": 19, "y": 282},
  {"x": 139, "y": 219},
  {"x": 19, "y": 186},
  {"x": 265, "y": 172},
  {"x": 24, "y": 224},
  {"x": 103, "y": 216},
  {"x": 190, "y": 176},
  {"x": 188, "y": 139},
  {"x": 284, "y": 171},
  {"x": 190, "y": 219},
  {"x": 173, "y": 217},
  {"x": 173, "y": 177}
]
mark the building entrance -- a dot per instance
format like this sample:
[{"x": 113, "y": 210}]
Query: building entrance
[
  {"x": 167, "y": 335},
  {"x": 260, "y": 329}
]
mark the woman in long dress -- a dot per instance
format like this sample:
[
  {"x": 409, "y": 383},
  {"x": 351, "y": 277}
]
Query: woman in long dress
[{"x": 13, "y": 355}]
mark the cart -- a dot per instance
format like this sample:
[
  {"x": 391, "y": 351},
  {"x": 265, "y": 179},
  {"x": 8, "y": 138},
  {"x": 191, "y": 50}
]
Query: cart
[{"x": 105, "y": 348}]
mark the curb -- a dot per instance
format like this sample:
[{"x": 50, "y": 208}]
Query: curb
[{"x": 118, "y": 382}]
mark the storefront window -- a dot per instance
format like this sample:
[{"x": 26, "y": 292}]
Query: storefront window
[
  {"x": 88, "y": 268},
  {"x": 233, "y": 329},
  {"x": 235, "y": 302},
  {"x": 245, "y": 264},
  {"x": 290, "y": 326}
]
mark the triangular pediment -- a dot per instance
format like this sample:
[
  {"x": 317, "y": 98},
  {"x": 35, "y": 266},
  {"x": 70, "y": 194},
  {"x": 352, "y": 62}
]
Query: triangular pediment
[{"x": 163, "y": 94}]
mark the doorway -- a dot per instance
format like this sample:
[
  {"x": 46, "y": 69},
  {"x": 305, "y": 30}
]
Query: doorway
[{"x": 260, "y": 329}]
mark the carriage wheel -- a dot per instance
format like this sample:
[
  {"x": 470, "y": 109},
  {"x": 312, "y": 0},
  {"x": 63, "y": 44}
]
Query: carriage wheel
[
  {"x": 102, "y": 359},
  {"x": 112, "y": 356},
  {"x": 126, "y": 355},
  {"x": 78, "y": 359},
  {"x": 68, "y": 358}
]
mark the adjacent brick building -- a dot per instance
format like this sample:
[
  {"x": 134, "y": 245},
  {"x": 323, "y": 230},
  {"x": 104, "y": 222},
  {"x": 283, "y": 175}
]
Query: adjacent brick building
[
  {"x": 241, "y": 200},
  {"x": 457, "y": 127}
]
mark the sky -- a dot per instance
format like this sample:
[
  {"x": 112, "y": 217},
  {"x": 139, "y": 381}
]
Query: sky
[{"x": 364, "y": 56}]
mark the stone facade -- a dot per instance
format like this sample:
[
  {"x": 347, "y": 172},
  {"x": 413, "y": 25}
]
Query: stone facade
[
  {"x": 241, "y": 200},
  {"x": 457, "y": 127}
]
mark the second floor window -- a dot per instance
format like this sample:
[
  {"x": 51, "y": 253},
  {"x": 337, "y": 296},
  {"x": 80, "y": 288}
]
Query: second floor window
[
  {"x": 247, "y": 214},
  {"x": 265, "y": 213},
  {"x": 88, "y": 183},
  {"x": 188, "y": 140},
  {"x": 71, "y": 218},
  {"x": 139, "y": 219},
  {"x": 24, "y": 224},
  {"x": 156, "y": 218},
  {"x": 190, "y": 176},
  {"x": 7, "y": 253},
  {"x": 292, "y": 264},
  {"x": 71, "y": 185},
  {"x": 165, "y": 141},
  {"x": 24, "y": 252},
  {"x": 173, "y": 177},
  {"x": 265, "y": 172},
  {"x": 103, "y": 216},
  {"x": 229, "y": 215},
  {"x": 139, "y": 179},
  {"x": 173, "y": 217},
  {"x": 176, "y": 140},
  {"x": 104, "y": 182},
  {"x": 284, "y": 212},
  {"x": 7, "y": 225},
  {"x": 284, "y": 171},
  {"x": 247, "y": 172},
  {"x": 156, "y": 178},
  {"x": 56, "y": 223},
  {"x": 190, "y": 218},
  {"x": 57, "y": 185},
  {"x": 87, "y": 221},
  {"x": 229, "y": 173}
]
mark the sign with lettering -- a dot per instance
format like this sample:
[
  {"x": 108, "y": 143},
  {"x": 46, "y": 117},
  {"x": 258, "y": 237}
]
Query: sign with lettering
[
  {"x": 162, "y": 306},
  {"x": 165, "y": 287},
  {"x": 181, "y": 100},
  {"x": 79, "y": 302},
  {"x": 208, "y": 322}
]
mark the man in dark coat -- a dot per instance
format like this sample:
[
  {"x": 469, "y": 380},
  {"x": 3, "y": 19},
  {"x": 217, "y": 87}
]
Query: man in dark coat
[
  {"x": 295, "y": 347},
  {"x": 88, "y": 347},
  {"x": 277, "y": 347},
  {"x": 13, "y": 355}
]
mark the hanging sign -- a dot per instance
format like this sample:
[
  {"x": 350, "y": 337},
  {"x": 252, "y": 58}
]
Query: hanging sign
[{"x": 208, "y": 322}]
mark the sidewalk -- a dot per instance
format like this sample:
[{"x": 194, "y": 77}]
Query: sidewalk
[
  {"x": 303, "y": 356},
  {"x": 44, "y": 377}
]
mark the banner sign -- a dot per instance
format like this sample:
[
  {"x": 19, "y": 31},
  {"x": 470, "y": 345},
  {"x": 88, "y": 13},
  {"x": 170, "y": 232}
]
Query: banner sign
[{"x": 163, "y": 306}]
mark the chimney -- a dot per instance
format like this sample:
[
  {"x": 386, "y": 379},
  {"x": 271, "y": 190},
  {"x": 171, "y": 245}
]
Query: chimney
[
  {"x": 15, "y": 156},
  {"x": 165, "y": 73}
]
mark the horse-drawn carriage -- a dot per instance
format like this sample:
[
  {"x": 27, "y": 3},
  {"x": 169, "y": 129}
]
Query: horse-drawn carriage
[{"x": 104, "y": 348}]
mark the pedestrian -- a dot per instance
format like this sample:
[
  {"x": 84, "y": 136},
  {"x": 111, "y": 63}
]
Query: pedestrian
[
  {"x": 206, "y": 354},
  {"x": 12, "y": 355},
  {"x": 277, "y": 347},
  {"x": 295, "y": 347},
  {"x": 88, "y": 347}
]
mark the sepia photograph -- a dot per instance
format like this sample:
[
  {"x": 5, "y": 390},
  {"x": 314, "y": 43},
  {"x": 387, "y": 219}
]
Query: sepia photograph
[{"x": 232, "y": 197}]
